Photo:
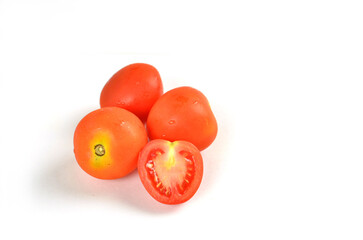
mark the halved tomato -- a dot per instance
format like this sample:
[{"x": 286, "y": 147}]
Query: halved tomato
[{"x": 171, "y": 172}]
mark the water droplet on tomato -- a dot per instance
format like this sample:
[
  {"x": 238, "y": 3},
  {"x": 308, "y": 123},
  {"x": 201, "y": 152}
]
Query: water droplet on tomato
[
  {"x": 121, "y": 103},
  {"x": 163, "y": 135},
  {"x": 171, "y": 121},
  {"x": 195, "y": 102}
]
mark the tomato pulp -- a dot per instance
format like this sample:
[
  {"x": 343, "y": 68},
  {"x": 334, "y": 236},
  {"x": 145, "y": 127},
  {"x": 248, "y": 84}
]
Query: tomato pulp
[{"x": 171, "y": 172}]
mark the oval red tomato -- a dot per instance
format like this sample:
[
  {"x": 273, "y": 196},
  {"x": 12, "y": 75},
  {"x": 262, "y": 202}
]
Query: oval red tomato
[
  {"x": 107, "y": 142},
  {"x": 183, "y": 113},
  {"x": 135, "y": 87},
  {"x": 171, "y": 172}
]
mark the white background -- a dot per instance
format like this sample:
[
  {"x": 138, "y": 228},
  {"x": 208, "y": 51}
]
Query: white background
[{"x": 284, "y": 79}]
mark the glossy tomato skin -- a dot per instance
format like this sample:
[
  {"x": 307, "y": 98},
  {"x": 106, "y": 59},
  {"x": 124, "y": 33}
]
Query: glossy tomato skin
[
  {"x": 107, "y": 142},
  {"x": 135, "y": 87},
  {"x": 171, "y": 172},
  {"x": 183, "y": 113}
]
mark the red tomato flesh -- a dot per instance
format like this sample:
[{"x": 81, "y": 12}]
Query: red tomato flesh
[{"x": 171, "y": 172}]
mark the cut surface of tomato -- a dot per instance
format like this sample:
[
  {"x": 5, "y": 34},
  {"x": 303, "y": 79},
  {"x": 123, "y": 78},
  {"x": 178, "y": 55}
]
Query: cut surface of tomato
[{"x": 171, "y": 172}]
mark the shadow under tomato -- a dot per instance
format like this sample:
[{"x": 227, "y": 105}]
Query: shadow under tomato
[
  {"x": 215, "y": 157},
  {"x": 66, "y": 180}
]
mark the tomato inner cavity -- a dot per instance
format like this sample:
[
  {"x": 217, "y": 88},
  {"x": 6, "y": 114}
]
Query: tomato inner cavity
[{"x": 170, "y": 172}]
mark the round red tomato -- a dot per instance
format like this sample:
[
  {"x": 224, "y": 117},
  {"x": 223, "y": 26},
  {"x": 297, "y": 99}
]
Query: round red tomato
[
  {"x": 171, "y": 172},
  {"x": 183, "y": 113},
  {"x": 135, "y": 87},
  {"x": 107, "y": 142}
]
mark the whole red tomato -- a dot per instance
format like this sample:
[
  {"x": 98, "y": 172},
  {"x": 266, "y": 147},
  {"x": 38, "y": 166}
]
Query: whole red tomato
[
  {"x": 183, "y": 113},
  {"x": 107, "y": 142},
  {"x": 171, "y": 172},
  {"x": 135, "y": 87}
]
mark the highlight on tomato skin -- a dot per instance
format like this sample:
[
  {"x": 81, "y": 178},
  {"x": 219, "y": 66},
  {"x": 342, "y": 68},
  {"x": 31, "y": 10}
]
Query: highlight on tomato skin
[
  {"x": 107, "y": 142},
  {"x": 171, "y": 172}
]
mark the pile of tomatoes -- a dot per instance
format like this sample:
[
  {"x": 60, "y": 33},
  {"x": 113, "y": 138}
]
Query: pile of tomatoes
[{"x": 139, "y": 126}]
